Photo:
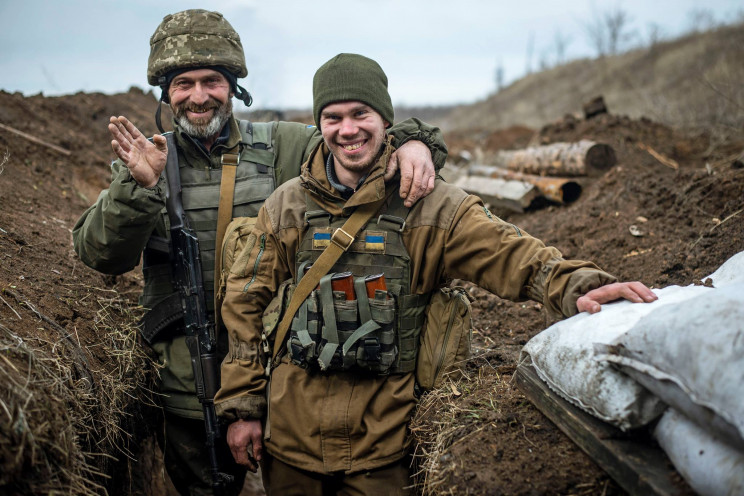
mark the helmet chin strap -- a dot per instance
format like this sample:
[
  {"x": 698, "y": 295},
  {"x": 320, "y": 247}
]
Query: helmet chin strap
[
  {"x": 163, "y": 99},
  {"x": 243, "y": 95}
]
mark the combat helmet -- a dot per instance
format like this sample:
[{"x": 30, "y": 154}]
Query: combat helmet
[{"x": 195, "y": 39}]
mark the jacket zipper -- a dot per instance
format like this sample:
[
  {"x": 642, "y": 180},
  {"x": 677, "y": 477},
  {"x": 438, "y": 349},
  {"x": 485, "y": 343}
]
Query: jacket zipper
[{"x": 258, "y": 260}]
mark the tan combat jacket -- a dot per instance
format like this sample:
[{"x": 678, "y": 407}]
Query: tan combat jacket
[{"x": 342, "y": 421}]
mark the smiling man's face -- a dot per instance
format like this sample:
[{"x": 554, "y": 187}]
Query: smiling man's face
[
  {"x": 200, "y": 100},
  {"x": 355, "y": 133}
]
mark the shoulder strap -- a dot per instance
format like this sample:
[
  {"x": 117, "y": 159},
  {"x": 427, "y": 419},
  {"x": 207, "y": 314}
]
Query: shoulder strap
[
  {"x": 262, "y": 135},
  {"x": 256, "y": 134},
  {"x": 256, "y": 144},
  {"x": 341, "y": 240},
  {"x": 230, "y": 162}
]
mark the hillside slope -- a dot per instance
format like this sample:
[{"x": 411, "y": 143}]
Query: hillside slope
[{"x": 689, "y": 82}]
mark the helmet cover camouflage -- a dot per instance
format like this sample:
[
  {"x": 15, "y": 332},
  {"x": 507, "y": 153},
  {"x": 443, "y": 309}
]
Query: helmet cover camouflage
[{"x": 192, "y": 39}]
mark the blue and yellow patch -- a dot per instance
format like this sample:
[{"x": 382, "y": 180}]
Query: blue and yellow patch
[
  {"x": 321, "y": 239},
  {"x": 374, "y": 242},
  {"x": 366, "y": 242}
]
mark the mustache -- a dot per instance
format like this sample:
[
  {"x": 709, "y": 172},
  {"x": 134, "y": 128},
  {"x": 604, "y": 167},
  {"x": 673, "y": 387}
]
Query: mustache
[
  {"x": 201, "y": 108},
  {"x": 211, "y": 104}
]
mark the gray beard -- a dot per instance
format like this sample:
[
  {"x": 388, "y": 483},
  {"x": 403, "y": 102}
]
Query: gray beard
[{"x": 211, "y": 128}]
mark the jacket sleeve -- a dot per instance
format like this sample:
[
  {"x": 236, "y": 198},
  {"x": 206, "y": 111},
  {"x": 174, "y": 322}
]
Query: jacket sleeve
[
  {"x": 111, "y": 234},
  {"x": 510, "y": 263},
  {"x": 431, "y": 136},
  {"x": 294, "y": 141},
  {"x": 253, "y": 281}
]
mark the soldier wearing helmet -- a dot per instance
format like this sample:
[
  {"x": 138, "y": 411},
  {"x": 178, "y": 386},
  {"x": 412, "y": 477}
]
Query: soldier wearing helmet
[{"x": 196, "y": 58}]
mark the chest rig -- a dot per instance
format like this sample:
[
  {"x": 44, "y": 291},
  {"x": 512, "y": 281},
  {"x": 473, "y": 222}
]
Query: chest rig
[
  {"x": 254, "y": 182},
  {"x": 360, "y": 329}
]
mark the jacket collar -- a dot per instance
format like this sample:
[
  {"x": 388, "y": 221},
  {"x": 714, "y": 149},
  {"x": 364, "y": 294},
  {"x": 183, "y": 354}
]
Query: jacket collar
[{"x": 313, "y": 177}]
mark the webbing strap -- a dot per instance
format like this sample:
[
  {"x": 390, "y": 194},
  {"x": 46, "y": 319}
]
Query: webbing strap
[
  {"x": 246, "y": 132},
  {"x": 361, "y": 331},
  {"x": 323, "y": 264},
  {"x": 360, "y": 288},
  {"x": 262, "y": 133},
  {"x": 230, "y": 162},
  {"x": 330, "y": 330}
]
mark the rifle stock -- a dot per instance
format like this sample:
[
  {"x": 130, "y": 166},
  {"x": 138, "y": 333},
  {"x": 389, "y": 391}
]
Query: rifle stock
[{"x": 199, "y": 329}]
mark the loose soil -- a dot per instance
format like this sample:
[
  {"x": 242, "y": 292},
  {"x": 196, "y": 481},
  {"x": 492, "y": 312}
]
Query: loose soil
[{"x": 690, "y": 219}]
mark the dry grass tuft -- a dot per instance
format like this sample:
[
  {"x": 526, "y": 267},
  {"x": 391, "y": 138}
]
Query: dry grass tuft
[
  {"x": 61, "y": 417},
  {"x": 4, "y": 160},
  {"x": 446, "y": 417}
]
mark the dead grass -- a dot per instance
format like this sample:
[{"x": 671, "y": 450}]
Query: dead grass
[
  {"x": 446, "y": 417},
  {"x": 61, "y": 415},
  {"x": 4, "y": 160}
]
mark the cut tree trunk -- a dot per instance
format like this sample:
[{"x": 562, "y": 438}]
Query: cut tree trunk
[
  {"x": 585, "y": 158},
  {"x": 512, "y": 195},
  {"x": 557, "y": 189}
]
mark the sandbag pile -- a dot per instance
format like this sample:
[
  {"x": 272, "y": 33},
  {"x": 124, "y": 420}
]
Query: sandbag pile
[{"x": 681, "y": 356}]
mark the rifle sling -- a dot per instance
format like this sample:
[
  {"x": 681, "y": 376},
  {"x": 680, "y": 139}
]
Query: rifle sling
[
  {"x": 341, "y": 240},
  {"x": 161, "y": 315}
]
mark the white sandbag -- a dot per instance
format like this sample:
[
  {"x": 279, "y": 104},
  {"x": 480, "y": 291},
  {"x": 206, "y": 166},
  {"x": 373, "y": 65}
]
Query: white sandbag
[
  {"x": 563, "y": 357},
  {"x": 710, "y": 467},
  {"x": 691, "y": 355},
  {"x": 731, "y": 272}
]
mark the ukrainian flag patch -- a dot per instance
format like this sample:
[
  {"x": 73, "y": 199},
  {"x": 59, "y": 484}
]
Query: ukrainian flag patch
[
  {"x": 374, "y": 241},
  {"x": 321, "y": 240}
]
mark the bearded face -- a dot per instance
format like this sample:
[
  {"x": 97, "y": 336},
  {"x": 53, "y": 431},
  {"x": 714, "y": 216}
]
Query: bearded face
[
  {"x": 201, "y": 102},
  {"x": 205, "y": 120}
]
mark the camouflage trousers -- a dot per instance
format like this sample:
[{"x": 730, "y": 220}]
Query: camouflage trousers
[{"x": 187, "y": 461}]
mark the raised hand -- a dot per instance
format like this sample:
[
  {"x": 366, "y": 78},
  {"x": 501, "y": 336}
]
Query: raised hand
[{"x": 144, "y": 159}]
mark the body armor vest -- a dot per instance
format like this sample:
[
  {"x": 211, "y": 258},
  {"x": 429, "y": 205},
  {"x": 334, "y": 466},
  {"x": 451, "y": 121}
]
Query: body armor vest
[
  {"x": 360, "y": 328},
  {"x": 254, "y": 182}
]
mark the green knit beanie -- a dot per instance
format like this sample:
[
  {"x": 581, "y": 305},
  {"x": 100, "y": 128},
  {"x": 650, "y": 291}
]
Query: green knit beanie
[{"x": 351, "y": 77}]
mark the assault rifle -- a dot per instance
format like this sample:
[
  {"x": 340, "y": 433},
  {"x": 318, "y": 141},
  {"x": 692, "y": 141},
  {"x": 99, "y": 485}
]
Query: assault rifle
[{"x": 199, "y": 329}]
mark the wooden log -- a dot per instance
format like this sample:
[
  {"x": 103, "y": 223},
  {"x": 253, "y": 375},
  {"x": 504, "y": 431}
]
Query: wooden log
[
  {"x": 584, "y": 158},
  {"x": 557, "y": 189},
  {"x": 36, "y": 140},
  {"x": 513, "y": 195},
  {"x": 633, "y": 460}
]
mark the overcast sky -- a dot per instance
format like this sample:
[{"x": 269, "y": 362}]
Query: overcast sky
[{"x": 433, "y": 51}]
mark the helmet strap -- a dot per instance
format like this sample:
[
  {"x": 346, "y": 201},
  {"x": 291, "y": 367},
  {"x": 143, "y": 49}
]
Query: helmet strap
[
  {"x": 163, "y": 98},
  {"x": 243, "y": 95}
]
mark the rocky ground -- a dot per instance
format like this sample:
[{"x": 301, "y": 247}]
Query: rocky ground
[{"x": 491, "y": 440}]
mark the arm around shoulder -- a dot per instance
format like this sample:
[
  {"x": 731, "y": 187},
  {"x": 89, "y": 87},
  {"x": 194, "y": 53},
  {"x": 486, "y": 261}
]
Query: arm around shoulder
[
  {"x": 431, "y": 136},
  {"x": 293, "y": 142}
]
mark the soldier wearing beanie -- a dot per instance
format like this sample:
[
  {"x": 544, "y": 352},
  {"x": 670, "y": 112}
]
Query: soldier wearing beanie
[
  {"x": 342, "y": 360},
  {"x": 197, "y": 58},
  {"x": 348, "y": 76}
]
